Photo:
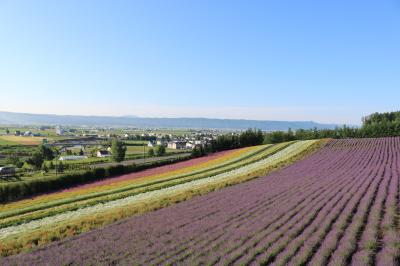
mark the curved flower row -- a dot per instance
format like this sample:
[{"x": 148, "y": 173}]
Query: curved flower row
[
  {"x": 45, "y": 209},
  {"x": 138, "y": 178},
  {"x": 136, "y": 200}
]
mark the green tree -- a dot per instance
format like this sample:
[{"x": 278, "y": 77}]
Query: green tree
[
  {"x": 36, "y": 160},
  {"x": 45, "y": 168},
  {"x": 118, "y": 150},
  {"x": 60, "y": 167},
  {"x": 150, "y": 152},
  {"x": 196, "y": 152},
  {"x": 46, "y": 152},
  {"x": 160, "y": 150},
  {"x": 13, "y": 159}
]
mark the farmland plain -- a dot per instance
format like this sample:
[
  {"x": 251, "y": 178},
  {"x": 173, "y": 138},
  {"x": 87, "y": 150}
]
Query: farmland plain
[{"x": 21, "y": 140}]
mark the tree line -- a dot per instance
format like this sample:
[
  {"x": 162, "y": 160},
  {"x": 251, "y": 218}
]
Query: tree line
[
  {"x": 250, "y": 137},
  {"x": 373, "y": 126}
]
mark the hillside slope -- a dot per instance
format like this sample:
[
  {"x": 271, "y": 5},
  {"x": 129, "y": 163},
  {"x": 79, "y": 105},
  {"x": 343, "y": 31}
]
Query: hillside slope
[{"x": 338, "y": 206}]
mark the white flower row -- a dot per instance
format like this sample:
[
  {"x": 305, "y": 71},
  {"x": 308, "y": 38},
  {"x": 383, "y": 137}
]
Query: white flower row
[{"x": 32, "y": 226}]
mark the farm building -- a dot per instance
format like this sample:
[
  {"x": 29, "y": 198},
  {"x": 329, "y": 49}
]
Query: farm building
[
  {"x": 72, "y": 158},
  {"x": 103, "y": 154},
  {"x": 28, "y": 134},
  {"x": 177, "y": 145},
  {"x": 7, "y": 171},
  {"x": 190, "y": 145},
  {"x": 60, "y": 131}
]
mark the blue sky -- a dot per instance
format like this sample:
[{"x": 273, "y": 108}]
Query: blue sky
[{"x": 328, "y": 61}]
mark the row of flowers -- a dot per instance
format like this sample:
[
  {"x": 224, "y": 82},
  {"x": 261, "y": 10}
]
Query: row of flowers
[
  {"x": 226, "y": 157},
  {"x": 136, "y": 200},
  {"x": 45, "y": 209}
]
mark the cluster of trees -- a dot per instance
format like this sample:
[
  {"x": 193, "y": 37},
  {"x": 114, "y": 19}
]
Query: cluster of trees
[
  {"x": 43, "y": 153},
  {"x": 200, "y": 150},
  {"x": 118, "y": 150},
  {"x": 159, "y": 150},
  {"x": 250, "y": 137},
  {"x": 374, "y": 126},
  {"x": 145, "y": 138},
  {"x": 381, "y": 118}
]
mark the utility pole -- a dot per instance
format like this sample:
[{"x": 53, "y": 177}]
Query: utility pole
[{"x": 144, "y": 154}]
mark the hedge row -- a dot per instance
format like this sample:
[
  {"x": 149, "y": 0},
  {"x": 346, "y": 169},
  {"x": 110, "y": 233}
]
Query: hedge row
[{"x": 18, "y": 190}]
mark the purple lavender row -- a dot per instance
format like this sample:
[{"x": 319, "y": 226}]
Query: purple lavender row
[
  {"x": 348, "y": 244},
  {"x": 310, "y": 243},
  {"x": 245, "y": 249},
  {"x": 269, "y": 254},
  {"x": 302, "y": 245},
  {"x": 388, "y": 251},
  {"x": 221, "y": 225},
  {"x": 241, "y": 234},
  {"x": 331, "y": 241},
  {"x": 369, "y": 241}
]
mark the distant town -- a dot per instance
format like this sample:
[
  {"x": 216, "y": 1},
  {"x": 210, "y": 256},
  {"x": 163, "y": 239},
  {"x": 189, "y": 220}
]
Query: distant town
[{"x": 80, "y": 148}]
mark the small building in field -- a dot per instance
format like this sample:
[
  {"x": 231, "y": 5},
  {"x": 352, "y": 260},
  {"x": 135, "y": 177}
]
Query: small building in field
[
  {"x": 190, "y": 145},
  {"x": 72, "y": 158},
  {"x": 7, "y": 171},
  {"x": 151, "y": 144},
  {"x": 28, "y": 134},
  {"x": 103, "y": 154},
  {"x": 60, "y": 131},
  {"x": 177, "y": 145}
]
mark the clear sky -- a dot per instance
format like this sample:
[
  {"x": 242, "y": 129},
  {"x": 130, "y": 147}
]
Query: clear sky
[{"x": 328, "y": 61}]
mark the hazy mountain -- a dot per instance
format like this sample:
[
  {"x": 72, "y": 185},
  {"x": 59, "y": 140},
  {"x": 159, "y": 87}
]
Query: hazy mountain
[{"x": 9, "y": 118}]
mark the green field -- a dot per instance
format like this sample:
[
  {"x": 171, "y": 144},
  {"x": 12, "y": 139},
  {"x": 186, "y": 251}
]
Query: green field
[{"x": 6, "y": 142}]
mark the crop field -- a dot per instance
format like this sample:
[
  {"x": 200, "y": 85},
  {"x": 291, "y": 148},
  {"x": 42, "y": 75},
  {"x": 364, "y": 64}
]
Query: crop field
[
  {"x": 338, "y": 206},
  {"x": 34, "y": 222},
  {"x": 21, "y": 140}
]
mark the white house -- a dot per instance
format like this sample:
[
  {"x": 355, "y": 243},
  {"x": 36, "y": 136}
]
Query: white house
[
  {"x": 28, "y": 134},
  {"x": 177, "y": 145},
  {"x": 190, "y": 145},
  {"x": 151, "y": 144}
]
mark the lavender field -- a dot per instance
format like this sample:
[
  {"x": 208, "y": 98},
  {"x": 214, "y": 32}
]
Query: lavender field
[{"x": 339, "y": 206}]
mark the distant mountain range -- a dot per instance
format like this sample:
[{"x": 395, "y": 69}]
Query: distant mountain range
[{"x": 10, "y": 118}]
